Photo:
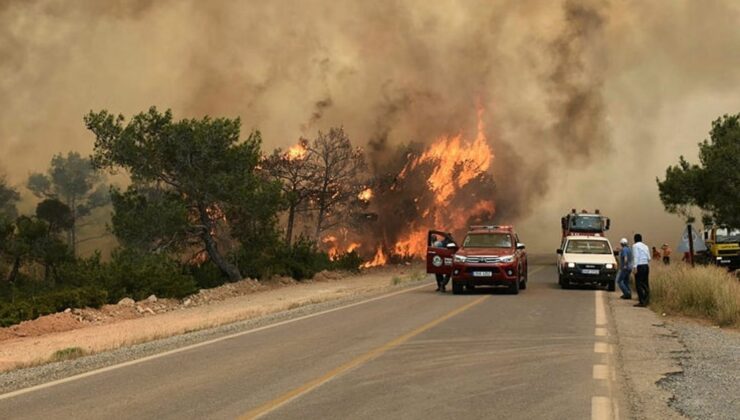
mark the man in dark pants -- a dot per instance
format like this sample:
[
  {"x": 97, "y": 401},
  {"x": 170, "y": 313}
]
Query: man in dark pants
[
  {"x": 641, "y": 256},
  {"x": 442, "y": 279}
]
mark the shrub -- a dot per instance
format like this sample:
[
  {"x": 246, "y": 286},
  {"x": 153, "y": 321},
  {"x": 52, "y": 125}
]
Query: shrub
[
  {"x": 67, "y": 354},
  {"x": 208, "y": 275},
  {"x": 303, "y": 259},
  {"x": 349, "y": 261},
  {"x": 704, "y": 291},
  {"x": 136, "y": 274}
]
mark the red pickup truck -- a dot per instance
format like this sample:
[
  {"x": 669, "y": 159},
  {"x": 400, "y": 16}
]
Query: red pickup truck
[{"x": 490, "y": 255}]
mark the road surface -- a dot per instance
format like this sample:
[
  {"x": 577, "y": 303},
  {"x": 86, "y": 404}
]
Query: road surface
[{"x": 543, "y": 354}]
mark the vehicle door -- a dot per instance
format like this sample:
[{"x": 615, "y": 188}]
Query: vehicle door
[{"x": 439, "y": 258}]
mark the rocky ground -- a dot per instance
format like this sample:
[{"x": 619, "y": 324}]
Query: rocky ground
[
  {"x": 708, "y": 385},
  {"x": 673, "y": 367}
]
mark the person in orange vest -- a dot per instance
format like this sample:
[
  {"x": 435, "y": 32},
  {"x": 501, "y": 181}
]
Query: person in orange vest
[{"x": 667, "y": 251}]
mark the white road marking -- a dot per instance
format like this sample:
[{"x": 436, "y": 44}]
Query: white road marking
[
  {"x": 601, "y": 372},
  {"x": 600, "y": 332},
  {"x": 601, "y": 408},
  {"x": 602, "y": 348},
  {"x": 201, "y": 344},
  {"x": 600, "y": 309}
]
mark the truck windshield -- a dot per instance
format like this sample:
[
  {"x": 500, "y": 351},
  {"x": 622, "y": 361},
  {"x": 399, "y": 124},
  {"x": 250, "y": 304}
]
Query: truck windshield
[
  {"x": 581, "y": 223},
  {"x": 588, "y": 246},
  {"x": 725, "y": 235},
  {"x": 487, "y": 240}
]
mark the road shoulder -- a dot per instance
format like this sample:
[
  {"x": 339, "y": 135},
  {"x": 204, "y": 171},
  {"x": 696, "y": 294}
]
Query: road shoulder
[{"x": 645, "y": 354}]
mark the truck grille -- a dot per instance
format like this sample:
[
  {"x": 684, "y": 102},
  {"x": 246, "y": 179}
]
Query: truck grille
[
  {"x": 487, "y": 260},
  {"x": 590, "y": 266},
  {"x": 727, "y": 252}
]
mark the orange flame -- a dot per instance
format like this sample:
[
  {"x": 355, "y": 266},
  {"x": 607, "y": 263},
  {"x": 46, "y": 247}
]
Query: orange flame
[
  {"x": 379, "y": 259},
  {"x": 456, "y": 162},
  {"x": 296, "y": 152},
  {"x": 366, "y": 194}
]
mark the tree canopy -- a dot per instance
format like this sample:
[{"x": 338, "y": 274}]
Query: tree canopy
[
  {"x": 713, "y": 185},
  {"x": 74, "y": 181},
  {"x": 203, "y": 166}
]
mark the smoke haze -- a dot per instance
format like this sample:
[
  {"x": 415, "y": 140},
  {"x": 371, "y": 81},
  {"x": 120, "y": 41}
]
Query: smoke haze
[{"x": 586, "y": 102}]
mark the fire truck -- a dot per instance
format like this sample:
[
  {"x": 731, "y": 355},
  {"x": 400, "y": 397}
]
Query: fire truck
[
  {"x": 584, "y": 223},
  {"x": 723, "y": 246}
]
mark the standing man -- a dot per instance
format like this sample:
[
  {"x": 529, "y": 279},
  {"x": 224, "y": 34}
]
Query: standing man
[
  {"x": 667, "y": 251},
  {"x": 442, "y": 279},
  {"x": 641, "y": 258},
  {"x": 625, "y": 269}
]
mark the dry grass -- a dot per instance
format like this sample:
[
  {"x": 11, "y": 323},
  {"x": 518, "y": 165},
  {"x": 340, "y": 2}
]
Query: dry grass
[
  {"x": 67, "y": 354},
  {"x": 704, "y": 291}
]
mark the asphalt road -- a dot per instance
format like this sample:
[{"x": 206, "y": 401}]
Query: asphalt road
[{"x": 542, "y": 354}]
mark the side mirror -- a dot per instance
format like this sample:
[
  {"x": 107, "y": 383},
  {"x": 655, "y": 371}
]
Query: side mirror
[
  {"x": 559, "y": 251},
  {"x": 616, "y": 253},
  {"x": 452, "y": 245},
  {"x": 520, "y": 245}
]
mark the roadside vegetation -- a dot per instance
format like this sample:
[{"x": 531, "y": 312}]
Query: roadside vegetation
[
  {"x": 707, "y": 292},
  {"x": 204, "y": 206}
]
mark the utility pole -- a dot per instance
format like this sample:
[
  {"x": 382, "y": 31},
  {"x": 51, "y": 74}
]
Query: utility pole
[{"x": 691, "y": 244}]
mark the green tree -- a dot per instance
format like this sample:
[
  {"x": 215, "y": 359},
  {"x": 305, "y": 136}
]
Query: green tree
[
  {"x": 203, "y": 163},
  {"x": 8, "y": 199},
  {"x": 713, "y": 185},
  {"x": 150, "y": 219},
  {"x": 74, "y": 181}
]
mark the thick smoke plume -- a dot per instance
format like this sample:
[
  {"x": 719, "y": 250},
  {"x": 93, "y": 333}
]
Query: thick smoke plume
[{"x": 585, "y": 101}]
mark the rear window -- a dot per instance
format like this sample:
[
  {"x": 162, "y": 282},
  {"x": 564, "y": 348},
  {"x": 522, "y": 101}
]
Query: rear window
[
  {"x": 488, "y": 240},
  {"x": 588, "y": 246}
]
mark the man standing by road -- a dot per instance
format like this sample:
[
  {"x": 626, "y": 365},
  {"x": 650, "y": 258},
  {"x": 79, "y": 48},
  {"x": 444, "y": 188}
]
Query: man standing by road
[
  {"x": 625, "y": 269},
  {"x": 641, "y": 258},
  {"x": 442, "y": 279}
]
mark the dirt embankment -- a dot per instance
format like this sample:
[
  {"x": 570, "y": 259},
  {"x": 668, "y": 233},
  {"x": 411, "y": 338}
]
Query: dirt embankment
[{"x": 129, "y": 322}]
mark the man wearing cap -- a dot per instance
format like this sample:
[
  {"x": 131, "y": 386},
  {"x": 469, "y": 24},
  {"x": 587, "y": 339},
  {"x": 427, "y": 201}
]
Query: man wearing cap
[
  {"x": 641, "y": 258},
  {"x": 625, "y": 268}
]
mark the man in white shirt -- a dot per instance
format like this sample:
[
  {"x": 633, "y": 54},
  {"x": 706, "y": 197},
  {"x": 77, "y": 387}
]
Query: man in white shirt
[{"x": 641, "y": 258}]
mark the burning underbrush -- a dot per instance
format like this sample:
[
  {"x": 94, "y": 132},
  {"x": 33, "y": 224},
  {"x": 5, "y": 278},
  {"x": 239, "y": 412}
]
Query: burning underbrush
[{"x": 444, "y": 185}]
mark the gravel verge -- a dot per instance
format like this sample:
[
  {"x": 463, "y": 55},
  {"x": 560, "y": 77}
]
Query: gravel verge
[
  {"x": 709, "y": 385},
  {"x": 27, "y": 377}
]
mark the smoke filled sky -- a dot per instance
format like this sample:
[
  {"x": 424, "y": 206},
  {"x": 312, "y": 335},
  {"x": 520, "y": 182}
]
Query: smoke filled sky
[{"x": 586, "y": 102}]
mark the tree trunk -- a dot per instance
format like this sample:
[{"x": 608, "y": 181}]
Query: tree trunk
[
  {"x": 319, "y": 221},
  {"x": 229, "y": 269},
  {"x": 289, "y": 228},
  {"x": 14, "y": 272}
]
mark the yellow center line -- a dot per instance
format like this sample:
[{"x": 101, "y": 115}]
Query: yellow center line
[{"x": 372, "y": 354}]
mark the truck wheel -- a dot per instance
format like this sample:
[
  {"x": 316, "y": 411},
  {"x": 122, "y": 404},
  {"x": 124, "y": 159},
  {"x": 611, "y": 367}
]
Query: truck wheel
[
  {"x": 611, "y": 286},
  {"x": 457, "y": 288},
  {"x": 564, "y": 283},
  {"x": 523, "y": 282},
  {"x": 514, "y": 288}
]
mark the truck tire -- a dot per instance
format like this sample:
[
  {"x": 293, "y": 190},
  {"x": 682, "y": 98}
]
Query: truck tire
[
  {"x": 514, "y": 288},
  {"x": 564, "y": 283},
  {"x": 457, "y": 288},
  {"x": 611, "y": 286},
  {"x": 523, "y": 282}
]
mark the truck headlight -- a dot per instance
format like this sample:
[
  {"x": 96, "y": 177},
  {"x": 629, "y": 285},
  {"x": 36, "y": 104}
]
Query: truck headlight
[
  {"x": 571, "y": 265},
  {"x": 507, "y": 259},
  {"x": 460, "y": 258},
  {"x": 609, "y": 266}
]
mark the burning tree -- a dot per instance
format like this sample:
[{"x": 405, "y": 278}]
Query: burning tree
[
  {"x": 337, "y": 167},
  {"x": 294, "y": 169}
]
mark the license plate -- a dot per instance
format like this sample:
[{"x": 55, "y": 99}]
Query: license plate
[
  {"x": 588, "y": 271},
  {"x": 725, "y": 261},
  {"x": 482, "y": 273}
]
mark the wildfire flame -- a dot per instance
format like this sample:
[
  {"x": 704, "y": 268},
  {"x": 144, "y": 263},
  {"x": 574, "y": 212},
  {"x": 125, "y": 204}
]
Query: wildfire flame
[
  {"x": 379, "y": 259},
  {"x": 296, "y": 152},
  {"x": 366, "y": 194},
  {"x": 456, "y": 162}
]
